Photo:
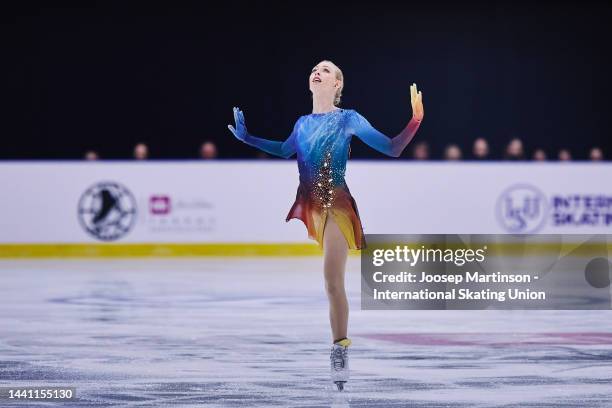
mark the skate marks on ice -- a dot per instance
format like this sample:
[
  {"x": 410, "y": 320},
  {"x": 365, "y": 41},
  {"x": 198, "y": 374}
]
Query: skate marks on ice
[
  {"x": 482, "y": 373},
  {"x": 181, "y": 333}
]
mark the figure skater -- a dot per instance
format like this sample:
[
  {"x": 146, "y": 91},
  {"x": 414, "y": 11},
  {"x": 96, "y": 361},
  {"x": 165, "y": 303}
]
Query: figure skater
[{"x": 324, "y": 202}]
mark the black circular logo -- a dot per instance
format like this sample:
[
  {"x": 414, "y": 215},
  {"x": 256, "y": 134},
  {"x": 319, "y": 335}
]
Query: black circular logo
[{"x": 107, "y": 211}]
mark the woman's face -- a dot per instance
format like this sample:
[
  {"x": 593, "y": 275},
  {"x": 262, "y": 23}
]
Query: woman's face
[{"x": 323, "y": 78}]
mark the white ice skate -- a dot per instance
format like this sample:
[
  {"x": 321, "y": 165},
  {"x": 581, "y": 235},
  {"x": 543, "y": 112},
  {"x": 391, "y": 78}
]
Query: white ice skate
[{"x": 340, "y": 363}]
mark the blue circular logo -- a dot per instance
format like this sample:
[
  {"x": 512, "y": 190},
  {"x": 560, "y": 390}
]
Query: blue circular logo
[{"x": 522, "y": 208}]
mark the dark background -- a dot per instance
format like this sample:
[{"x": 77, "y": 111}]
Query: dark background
[{"x": 78, "y": 76}]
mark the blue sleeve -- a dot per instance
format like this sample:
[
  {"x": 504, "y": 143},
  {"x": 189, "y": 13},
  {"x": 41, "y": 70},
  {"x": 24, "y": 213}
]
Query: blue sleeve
[
  {"x": 360, "y": 127},
  {"x": 284, "y": 149}
]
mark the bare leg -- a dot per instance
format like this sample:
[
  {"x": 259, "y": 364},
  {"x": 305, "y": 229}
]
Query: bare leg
[{"x": 335, "y": 254}]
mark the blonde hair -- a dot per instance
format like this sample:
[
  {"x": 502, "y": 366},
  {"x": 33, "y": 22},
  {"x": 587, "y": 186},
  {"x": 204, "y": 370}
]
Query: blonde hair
[{"x": 339, "y": 77}]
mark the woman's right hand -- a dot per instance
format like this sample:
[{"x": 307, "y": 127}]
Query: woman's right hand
[{"x": 240, "y": 130}]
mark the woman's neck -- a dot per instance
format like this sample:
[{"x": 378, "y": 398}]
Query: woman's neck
[{"x": 322, "y": 105}]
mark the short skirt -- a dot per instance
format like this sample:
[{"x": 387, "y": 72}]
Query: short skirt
[{"x": 313, "y": 211}]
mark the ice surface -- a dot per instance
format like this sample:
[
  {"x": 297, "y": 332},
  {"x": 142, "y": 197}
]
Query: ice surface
[{"x": 255, "y": 333}]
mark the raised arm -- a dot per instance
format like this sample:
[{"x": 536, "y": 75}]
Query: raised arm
[
  {"x": 284, "y": 149},
  {"x": 393, "y": 147}
]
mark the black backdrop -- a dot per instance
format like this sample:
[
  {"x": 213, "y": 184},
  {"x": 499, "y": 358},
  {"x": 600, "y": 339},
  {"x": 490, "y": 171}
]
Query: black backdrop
[{"x": 84, "y": 76}]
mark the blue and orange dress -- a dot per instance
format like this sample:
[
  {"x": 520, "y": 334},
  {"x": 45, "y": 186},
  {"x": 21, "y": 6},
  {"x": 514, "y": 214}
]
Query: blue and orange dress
[{"x": 321, "y": 141}]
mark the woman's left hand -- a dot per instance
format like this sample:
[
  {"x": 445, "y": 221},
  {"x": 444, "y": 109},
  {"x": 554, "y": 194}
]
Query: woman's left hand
[{"x": 416, "y": 98}]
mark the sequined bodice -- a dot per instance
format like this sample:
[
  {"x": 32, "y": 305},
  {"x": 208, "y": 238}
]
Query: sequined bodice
[{"x": 322, "y": 146}]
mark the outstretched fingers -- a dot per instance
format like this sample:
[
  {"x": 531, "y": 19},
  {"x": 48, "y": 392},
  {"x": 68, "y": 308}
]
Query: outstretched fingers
[
  {"x": 416, "y": 98},
  {"x": 236, "y": 116}
]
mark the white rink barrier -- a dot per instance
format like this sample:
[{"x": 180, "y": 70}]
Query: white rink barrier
[{"x": 231, "y": 203}]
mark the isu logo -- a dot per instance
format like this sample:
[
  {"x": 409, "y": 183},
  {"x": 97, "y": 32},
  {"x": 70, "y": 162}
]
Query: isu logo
[
  {"x": 107, "y": 211},
  {"x": 522, "y": 209}
]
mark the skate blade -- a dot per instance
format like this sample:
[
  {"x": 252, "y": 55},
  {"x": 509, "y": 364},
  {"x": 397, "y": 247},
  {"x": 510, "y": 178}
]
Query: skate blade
[{"x": 340, "y": 385}]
